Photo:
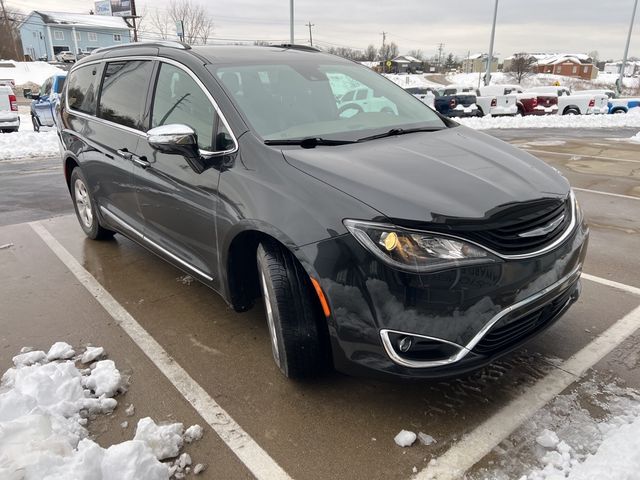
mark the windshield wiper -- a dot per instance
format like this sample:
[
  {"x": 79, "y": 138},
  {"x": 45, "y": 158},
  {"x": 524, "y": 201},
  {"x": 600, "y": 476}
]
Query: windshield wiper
[
  {"x": 400, "y": 131},
  {"x": 309, "y": 142}
]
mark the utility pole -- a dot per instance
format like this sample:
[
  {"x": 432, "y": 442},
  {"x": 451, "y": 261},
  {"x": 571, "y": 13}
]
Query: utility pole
[
  {"x": 487, "y": 75},
  {"x": 440, "y": 49},
  {"x": 626, "y": 48},
  {"x": 291, "y": 39},
  {"x": 310, "y": 36},
  {"x": 468, "y": 69}
]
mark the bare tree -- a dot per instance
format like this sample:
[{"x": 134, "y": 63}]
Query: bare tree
[
  {"x": 10, "y": 44},
  {"x": 371, "y": 53},
  {"x": 389, "y": 51},
  {"x": 196, "y": 21},
  {"x": 419, "y": 54},
  {"x": 154, "y": 24},
  {"x": 522, "y": 66},
  {"x": 345, "y": 52}
]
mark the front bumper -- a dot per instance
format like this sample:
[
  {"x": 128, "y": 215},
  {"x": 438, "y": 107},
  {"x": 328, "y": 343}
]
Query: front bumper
[{"x": 459, "y": 319}]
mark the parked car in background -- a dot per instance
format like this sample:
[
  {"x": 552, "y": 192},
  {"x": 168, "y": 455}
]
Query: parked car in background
[
  {"x": 9, "y": 118},
  {"x": 488, "y": 104},
  {"x": 577, "y": 104},
  {"x": 456, "y": 105},
  {"x": 66, "y": 56},
  {"x": 364, "y": 100},
  {"x": 44, "y": 103},
  {"x": 383, "y": 244},
  {"x": 531, "y": 103},
  {"x": 426, "y": 95},
  {"x": 623, "y": 105}
]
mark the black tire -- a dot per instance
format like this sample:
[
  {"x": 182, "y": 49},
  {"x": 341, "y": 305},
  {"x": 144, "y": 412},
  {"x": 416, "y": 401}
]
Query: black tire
[
  {"x": 36, "y": 124},
  {"x": 571, "y": 111},
  {"x": 618, "y": 111},
  {"x": 350, "y": 106},
  {"x": 85, "y": 208},
  {"x": 295, "y": 319}
]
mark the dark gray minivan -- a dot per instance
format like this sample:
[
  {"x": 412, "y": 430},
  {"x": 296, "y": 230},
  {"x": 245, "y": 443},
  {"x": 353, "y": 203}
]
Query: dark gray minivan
[{"x": 383, "y": 237}]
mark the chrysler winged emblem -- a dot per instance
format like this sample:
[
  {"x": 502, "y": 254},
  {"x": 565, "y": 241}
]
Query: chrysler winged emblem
[{"x": 549, "y": 227}]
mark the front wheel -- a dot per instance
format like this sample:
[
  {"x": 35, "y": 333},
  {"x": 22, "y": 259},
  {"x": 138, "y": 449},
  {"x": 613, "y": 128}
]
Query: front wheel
[
  {"x": 295, "y": 320},
  {"x": 36, "y": 124},
  {"x": 85, "y": 208}
]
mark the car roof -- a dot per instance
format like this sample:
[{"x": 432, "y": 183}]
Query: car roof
[{"x": 224, "y": 54}]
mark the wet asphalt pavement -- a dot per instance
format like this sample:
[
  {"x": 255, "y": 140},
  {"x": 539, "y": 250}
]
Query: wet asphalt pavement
[{"x": 335, "y": 427}]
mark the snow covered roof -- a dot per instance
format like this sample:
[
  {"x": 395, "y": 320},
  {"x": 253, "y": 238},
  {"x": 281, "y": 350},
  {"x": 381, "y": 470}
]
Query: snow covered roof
[
  {"x": 81, "y": 19},
  {"x": 555, "y": 58},
  {"x": 406, "y": 59}
]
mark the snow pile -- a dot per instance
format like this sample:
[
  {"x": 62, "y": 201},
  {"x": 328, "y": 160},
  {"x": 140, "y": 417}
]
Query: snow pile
[
  {"x": 603, "y": 81},
  {"x": 413, "y": 80},
  {"x": 591, "y": 433},
  {"x": 24, "y": 143},
  {"x": 635, "y": 138},
  {"x": 631, "y": 119},
  {"x": 25, "y": 72},
  {"x": 405, "y": 438},
  {"x": 45, "y": 403}
]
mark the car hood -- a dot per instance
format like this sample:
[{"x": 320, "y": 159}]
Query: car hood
[{"x": 421, "y": 177}]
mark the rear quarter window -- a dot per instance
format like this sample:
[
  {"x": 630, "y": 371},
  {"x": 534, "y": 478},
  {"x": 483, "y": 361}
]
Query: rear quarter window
[{"x": 82, "y": 87}]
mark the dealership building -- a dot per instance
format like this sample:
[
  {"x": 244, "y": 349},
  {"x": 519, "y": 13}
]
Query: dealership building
[{"x": 45, "y": 34}]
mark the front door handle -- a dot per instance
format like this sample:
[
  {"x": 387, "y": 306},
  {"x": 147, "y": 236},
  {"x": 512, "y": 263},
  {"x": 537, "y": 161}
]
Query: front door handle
[{"x": 140, "y": 161}]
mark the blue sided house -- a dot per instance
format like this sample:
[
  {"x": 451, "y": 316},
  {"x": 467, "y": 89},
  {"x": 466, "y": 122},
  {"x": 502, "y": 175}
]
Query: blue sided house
[{"x": 45, "y": 34}]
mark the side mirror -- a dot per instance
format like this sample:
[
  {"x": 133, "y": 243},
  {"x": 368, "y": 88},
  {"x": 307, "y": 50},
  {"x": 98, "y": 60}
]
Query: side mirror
[{"x": 174, "y": 139}]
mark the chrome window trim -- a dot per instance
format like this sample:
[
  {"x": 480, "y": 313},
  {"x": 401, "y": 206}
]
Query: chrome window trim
[
  {"x": 146, "y": 239},
  {"x": 466, "y": 349},
  {"x": 140, "y": 132},
  {"x": 557, "y": 242}
]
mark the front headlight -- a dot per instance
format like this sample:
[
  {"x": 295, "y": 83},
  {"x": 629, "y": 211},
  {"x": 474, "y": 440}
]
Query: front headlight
[{"x": 416, "y": 251}]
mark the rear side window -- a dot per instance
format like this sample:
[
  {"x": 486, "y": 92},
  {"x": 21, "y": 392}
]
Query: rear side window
[
  {"x": 82, "y": 86},
  {"x": 124, "y": 92},
  {"x": 60, "y": 84},
  {"x": 179, "y": 99}
]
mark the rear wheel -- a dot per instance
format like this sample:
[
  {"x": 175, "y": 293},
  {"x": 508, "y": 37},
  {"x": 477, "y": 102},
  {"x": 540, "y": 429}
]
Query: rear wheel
[
  {"x": 85, "y": 208},
  {"x": 296, "y": 329},
  {"x": 572, "y": 111}
]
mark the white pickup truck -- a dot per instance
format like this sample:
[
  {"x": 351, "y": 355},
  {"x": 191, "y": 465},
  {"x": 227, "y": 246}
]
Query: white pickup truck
[
  {"x": 577, "y": 104},
  {"x": 9, "y": 118},
  {"x": 494, "y": 104},
  {"x": 364, "y": 100}
]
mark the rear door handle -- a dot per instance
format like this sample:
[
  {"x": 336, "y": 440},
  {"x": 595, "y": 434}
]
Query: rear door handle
[{"x": 124, "y": 153}]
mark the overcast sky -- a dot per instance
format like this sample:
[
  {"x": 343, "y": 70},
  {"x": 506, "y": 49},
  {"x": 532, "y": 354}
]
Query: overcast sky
[{"x": 575, "y": 26}]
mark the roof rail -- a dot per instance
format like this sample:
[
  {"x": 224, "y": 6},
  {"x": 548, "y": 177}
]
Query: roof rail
[
  {"x": 152, "y": 43},
  {"x": 294, "y": 46}
]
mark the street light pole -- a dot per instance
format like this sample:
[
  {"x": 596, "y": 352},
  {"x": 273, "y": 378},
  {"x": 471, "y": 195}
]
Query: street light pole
[
  {"x": 626, "y": 48},
  {"x": 487, "y": 75},
  {"x": 291, "y": 22}
]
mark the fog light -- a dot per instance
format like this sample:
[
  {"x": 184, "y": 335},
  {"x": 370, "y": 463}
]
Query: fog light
[{"x": 404, "y": 344}]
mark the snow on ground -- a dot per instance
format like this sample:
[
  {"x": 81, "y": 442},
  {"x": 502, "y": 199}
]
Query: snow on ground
[
  {"x": 45, "y": 404},
  {"x": 27, "y": 143},
  {"x": 413, "y": 80},
  {"x": 635, "y": 138},
  {"x": 592, "y": 433},
  {"x": 28, "y": 72},
  {"x": 631, "y": 119},
  {"x": 604, "y": 80}
]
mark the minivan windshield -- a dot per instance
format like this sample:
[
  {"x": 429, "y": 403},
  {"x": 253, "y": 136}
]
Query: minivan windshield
[{"x": 333, "y": 101}]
